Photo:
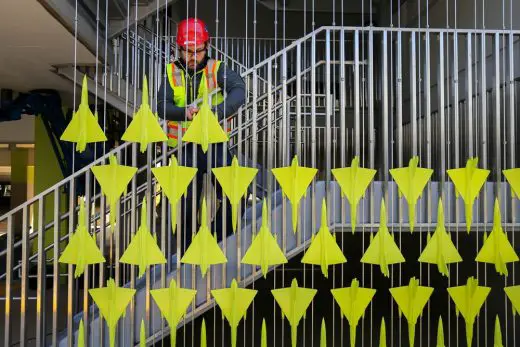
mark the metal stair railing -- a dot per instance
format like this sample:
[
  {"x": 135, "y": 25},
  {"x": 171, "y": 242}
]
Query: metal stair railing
[{"x": 274, "y": 146}]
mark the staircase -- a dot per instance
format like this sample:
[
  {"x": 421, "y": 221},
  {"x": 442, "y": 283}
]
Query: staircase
[{"x": 289, "y": 111}]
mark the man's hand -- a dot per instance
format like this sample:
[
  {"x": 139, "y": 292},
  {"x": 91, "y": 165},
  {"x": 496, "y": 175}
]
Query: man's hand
[{"x": 191, "y": 111}]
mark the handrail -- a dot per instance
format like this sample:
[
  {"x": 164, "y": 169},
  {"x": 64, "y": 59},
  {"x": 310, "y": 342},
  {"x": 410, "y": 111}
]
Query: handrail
[{"x": 123, "y": 146}]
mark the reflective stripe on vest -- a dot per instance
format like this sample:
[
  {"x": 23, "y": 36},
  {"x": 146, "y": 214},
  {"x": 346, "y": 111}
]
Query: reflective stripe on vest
[{"x": 178, "y": 84}]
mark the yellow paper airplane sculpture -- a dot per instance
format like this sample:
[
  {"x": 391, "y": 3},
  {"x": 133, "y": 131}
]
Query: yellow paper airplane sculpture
[
  {"x": 234, "y": 181},
  {"x": 382, "y": 249},
  {"x": 294, "y": 181},
  {"x": 83, "y": 127},
  {"x": 382, "y": 334},
  {"x": 145, "y": 127},
  {"x": 203, "y": 340},
  {"x": 234, "y": 303},
  {"x": 411, "y": 300},
  {"x": 293, "y": 302},
  {"x": 173, "y": 303},
  {"x": 513, "y": 293},
  {"x": 81, "y": 335},
  {"x": 82, "y": 249},
  {"x": 264, "y": 250},
  {"x": 143, "y": 249},
  {"x": 468, "y": 182},
  {"x": 353, "y": 301},
  {"x": 411, "y": 181},
  {"x": 113, "y": 179},
  {"x": 263, "y": 342},
  {"x": 204, "y": 250},
  {"x": 498, "y": 334},
  {"x": 440, "y": 334},
  {"x": 205, "y": 129},
  {"x": 513, "y": 177},
  {"x": 324, "y": 250},
  {"x": 497, "y": 249},
  {"x": 112, "y": 302},
  {"x": 354, "y": 181},
  {"x": 323, "y": 337},
  {"x": 142, "y": 336},
  {"x": 468, "y": 300},
  {"x": 440, "y": 249},
  {"x": 174, "y": 180}
]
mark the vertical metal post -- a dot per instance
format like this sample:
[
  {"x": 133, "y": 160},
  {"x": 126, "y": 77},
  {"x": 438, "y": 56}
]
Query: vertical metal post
[
  {"x": 298, "y": 139},
  {"x": 386, "y": 143},
  {"x": 25, "y": 272},
  {"x": 441, "y": 114},
  {"x": 469, "y": 84},
  {"x": 371, "y": 101},
  {"x": 498, "y": 115},
  {"x": 328, "y": 115},
  {"x": 40, "y": 292},
  {"x": 357, "y": 86},
  {"x": 8, "y": 279},
  {"x": 399, "y": 105},
  {"x": 413, "y": 93},
  {"x": 55, "y": 266}
]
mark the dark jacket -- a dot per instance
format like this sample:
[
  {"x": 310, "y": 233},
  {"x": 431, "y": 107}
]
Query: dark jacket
[{"x": 227, "y": 79}]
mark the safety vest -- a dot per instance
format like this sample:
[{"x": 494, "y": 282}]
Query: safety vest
[{"x": 207, "y": 84}]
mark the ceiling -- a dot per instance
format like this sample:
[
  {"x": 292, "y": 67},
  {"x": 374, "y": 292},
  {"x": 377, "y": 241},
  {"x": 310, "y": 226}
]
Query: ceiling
[{"x": 31, "y": 42}]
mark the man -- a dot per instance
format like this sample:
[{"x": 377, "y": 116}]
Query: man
[{"x": 189, "y": 78}]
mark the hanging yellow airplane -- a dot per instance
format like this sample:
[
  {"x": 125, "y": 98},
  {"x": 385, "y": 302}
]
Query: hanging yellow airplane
[
  {"x": 354, "y": 181},
  {"x": 83, "y": 127},
  {"x": 382, "y": 333},
  {"x": 440, "y": 249},
  {"x": 112, "y": 302},
  {"x": 234, "y": 303},
  {"x": 382, "y": 249},
  {"x": 203, "y": 339},
  {"x": 143, "y": 250},
  {"x": 234, "y": 181},
  {"x": 497, "y": 249},
  {"x": 205, "y": 128},
  {"x": 469, "y": 299},
  {"x": 353, "y": 301},
  {"x": 497, "y": 338},
  {"x": 513, "y": 293},
  {"x": 513, "y": 177},
  {"x": 81, "y": 335},
  {"x": 411, "y": 181},
  {"x": 264, "y": 250},
  {"x": 324, "y": 250},
  {"x": 113, "y": 179},
  {"x": 204, "y": 249},
  {"x": 174, "y": 181},
  {"x": 468, "y": 182},
  {"x": 173, "y": 303},
  {"x": 142, "y": 335},
  {"x": 144, "y": 127},
  {"x": 411, "y": 300},
  {"x": 323, "y": 336},
  {"x": 293, "y": 302},
  {"x": 294, "y": 181},
  {"x": 263, "y": 342},
  {"x": 82, "y": 249},
  {"x": 440, "y": 334}
]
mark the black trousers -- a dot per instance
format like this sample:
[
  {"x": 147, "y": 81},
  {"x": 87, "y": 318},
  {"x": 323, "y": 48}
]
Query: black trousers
[{"x": 217, "y": 159}]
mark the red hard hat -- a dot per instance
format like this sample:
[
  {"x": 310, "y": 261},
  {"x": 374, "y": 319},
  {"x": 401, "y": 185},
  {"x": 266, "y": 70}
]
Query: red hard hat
[{"x": 192, "y": 31}]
